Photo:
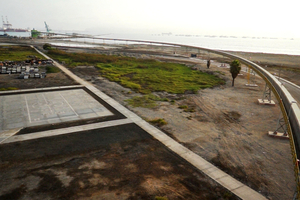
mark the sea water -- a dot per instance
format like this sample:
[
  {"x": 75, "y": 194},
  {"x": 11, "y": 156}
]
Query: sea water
[
  {"x": 289, "y": 46},
  {"x": 17, "y": 34}
]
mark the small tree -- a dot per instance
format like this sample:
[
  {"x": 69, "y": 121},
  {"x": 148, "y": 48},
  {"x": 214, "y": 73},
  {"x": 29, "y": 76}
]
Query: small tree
[
  {"x": 235, "y": 68},
  {"x": 47, "y": 46}
]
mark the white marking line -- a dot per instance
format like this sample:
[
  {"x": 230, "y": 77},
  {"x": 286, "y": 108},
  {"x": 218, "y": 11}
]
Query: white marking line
[
  {"x": 69, "y": 104},
  {"x": 73, "y": 129},
  {"x": 27, "y": 109},
  {"x": 47, "y": 103},
  {"x": 54, "y": 119}
]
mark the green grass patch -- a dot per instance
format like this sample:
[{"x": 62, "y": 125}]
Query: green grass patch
[
  {"x": 158, "y": 122},
  {"x": 52, "y": 69},
  {"x": 142, "y": 75},
  {"x": 219, "y": 72},
  {"x": 17, "y": 53},
  {"x": 161, "y": 198},
  {"x": 8, "y": 88},
  {"x": 145, "y": 101},
  {"x": 183, "y": 107},
  {"x": 186, "y": 108}
]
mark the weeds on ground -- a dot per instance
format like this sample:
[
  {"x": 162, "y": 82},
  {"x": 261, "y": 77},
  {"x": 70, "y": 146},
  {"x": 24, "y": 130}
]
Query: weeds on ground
[
  {"x": 142, "y": 75},
  {"x": 186, "y": 108},
  {"x": 52, "y": 69},
  {"x": 8, "y": 88},
  {"x": 158, "y": 122},
  {"x": 145, "y": 101},
  {"x": 17, "y": 53}
]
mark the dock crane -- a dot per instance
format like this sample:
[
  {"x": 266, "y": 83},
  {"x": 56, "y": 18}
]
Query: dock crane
[
  {"x": 47, "y": 27},
  {"x": 48, "y": 30},
  {"x": 6, "y": 25}
]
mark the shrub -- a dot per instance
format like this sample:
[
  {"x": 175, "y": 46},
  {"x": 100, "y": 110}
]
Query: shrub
[
  {"x": 143, "y": 101},
  {"x": 158, "y": 122},
  {"x": 52, "y": 69},
  {"x": 47, "y": 46}
]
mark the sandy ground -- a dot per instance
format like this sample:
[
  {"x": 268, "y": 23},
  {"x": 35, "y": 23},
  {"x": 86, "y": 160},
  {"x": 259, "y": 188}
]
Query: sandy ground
[{"x": 229, "y": 129}]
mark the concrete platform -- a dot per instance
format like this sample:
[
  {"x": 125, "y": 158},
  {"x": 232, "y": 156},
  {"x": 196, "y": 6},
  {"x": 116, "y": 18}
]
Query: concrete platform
[
  {"x": 251, "y": 85},
  {"x": 266, "y": 102},
  {"x": 39, "y": 108},
  {"x": 7, "y": 134},
  {"x": 278, "y": 135}
]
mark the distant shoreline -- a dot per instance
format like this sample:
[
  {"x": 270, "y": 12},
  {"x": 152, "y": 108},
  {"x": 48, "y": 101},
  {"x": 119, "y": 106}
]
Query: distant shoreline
[
  {"x": 277, "y": 59},
  {"x": 285, "y": 60}
]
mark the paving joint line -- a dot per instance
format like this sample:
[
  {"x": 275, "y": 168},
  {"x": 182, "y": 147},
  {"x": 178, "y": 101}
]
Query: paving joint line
[{"x": 63, "y": 131}]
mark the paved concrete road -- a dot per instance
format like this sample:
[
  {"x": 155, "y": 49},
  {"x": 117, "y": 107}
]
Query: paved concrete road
[
  {"x": 293, "y": 89},
  {"x": 38, "y": 108}
]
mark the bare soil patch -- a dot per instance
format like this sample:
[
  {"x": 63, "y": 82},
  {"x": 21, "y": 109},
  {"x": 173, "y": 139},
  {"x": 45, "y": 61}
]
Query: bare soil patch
[
  {"x": 52, "y": 80},
  {"x": 122, "y": 162}
]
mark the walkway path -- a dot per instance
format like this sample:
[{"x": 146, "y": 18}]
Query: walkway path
[{"x": 233, "y": 185}]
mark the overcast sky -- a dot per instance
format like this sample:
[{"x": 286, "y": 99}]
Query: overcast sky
[{"x": 217, "y": 17}]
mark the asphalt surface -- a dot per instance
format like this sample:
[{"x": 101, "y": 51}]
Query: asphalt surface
[{"x": 293, "y": 89}]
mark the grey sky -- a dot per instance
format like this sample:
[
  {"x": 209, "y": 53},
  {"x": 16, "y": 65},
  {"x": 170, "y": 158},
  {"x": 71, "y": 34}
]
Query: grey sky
[{"x": 217, "y": 17}]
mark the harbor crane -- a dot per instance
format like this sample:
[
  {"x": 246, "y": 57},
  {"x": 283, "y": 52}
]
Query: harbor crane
[
  {"x": 7, "y": 24},
  {"x": 47, "y": 27}
]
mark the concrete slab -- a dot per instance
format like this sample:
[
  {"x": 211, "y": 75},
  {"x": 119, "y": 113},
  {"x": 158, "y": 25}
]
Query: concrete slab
[
  {"x": 7, "y": 134},
  {"x": 278, "y": 135},
  {"x": 245, "y": 192},
  {"x": 251, "y": 85},
  {"x": 31, "y": 109},
  {"x": 55, "y": 132},
  {"x": 231, "y": 183},
  {"x": 196, "y": 160},
  {"x": 266, "y": 102}
]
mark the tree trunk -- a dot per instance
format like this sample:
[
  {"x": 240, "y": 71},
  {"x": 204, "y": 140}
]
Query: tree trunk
[{"x": 233, "y": 82}]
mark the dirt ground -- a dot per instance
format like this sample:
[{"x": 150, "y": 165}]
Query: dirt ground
[
  {"x": 52, "y": 80},
  {"x": 121, "y": 162},
  {"x": 228, "y": 128}
]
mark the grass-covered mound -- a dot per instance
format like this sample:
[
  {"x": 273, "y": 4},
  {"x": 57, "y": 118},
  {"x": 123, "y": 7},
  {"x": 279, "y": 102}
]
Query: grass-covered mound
[
  {"x": 142, "y": 75},
  {"x": 52, "y": 69},
  {"x": 17, "y": 53}
]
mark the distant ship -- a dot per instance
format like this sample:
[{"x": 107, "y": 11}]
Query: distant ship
[{"x": 7, "y": 27}]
